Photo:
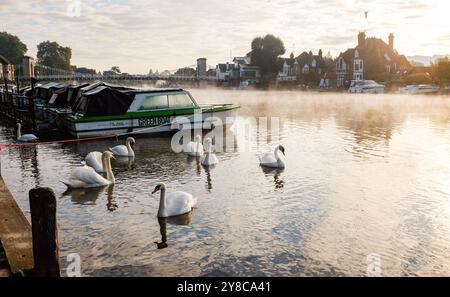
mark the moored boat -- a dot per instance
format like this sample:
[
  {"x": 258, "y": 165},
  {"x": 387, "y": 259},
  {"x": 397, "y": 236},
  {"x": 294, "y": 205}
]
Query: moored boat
[
  {"x": 108, "y": 111},
  {"x": 366, "y": 86},
  {"x": 419, "y": 89}
]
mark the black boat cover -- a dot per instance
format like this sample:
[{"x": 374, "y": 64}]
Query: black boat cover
[
  {"x": 103, "y": 101},
  {"x": 59, "y": 98},
  {"x": 92, "y": 87},
  {"x": 72, "y": 93}
]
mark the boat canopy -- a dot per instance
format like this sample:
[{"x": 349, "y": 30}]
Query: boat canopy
[
  {"x": 93, "y": 86},
  {"x": 46, "y": 91},
  {"x": 103, "y": 101},
  {"x": 72, "y": 93},
  {"x": 59, "y": 98},
  {"x": 160, "y": 99}
]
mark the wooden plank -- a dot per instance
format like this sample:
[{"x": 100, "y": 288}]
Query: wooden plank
[{"x": 15, "y": 233}]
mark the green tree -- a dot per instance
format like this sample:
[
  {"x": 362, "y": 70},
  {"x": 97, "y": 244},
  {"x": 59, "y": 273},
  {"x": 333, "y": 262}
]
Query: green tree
[
  {"x": 116, "y": 69},
  {"x": 12, "y": 48},
  {"x": 84, "y": 70},
  {"x": 442, "y": 71},
  {"x": 53, "y": 55},
  {"x": 373, "y": 63},
  {"x": 265, "y": 53}
]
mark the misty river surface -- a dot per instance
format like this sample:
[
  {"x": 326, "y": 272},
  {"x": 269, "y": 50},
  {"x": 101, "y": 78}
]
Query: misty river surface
[{"x": 367, "y": 176}]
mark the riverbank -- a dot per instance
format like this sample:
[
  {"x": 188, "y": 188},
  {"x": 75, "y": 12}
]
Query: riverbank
[{"x": 4, "y": 266}]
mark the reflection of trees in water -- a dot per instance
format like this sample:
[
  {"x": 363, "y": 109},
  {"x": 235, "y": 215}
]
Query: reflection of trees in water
[{"x": 371, "y": 126}]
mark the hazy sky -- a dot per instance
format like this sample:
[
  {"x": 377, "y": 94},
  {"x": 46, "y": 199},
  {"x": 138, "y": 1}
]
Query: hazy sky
[{"x": 166, "y": 34}]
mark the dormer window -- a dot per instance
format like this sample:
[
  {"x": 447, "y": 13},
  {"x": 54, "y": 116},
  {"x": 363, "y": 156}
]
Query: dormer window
[
  {"x": 313, "y": 63},
  {"x": 356, "y": 54}
]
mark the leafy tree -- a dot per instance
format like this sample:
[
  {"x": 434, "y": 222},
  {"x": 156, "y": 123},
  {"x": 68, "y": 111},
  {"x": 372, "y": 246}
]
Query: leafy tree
[
  {"x": 84, "y": 70},
  {"x": 373, "y": 63},
  {"x": 265, "y": 52},
  {"x": 116, "y": 69},
  {"x": 442, "y": 71},
  {"x": 53, "y": 55},
  {"x": 12, "y": 48}
]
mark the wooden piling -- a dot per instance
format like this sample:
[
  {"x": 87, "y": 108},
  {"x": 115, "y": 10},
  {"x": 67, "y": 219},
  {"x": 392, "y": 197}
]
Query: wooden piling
[{"x": 45, "y": 232}]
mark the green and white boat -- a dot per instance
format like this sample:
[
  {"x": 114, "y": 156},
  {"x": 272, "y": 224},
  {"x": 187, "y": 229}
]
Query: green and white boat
[{"x": 106, "y": 111}]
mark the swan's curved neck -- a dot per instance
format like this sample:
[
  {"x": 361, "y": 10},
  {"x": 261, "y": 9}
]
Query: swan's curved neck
[
  {"x": 19, "y": 132},
  {"x": 107, "y": 166},
  {"x": 130, "y": 149},
  {"x": 276, "y": 153},
  {"x": 162, "y": 203}
]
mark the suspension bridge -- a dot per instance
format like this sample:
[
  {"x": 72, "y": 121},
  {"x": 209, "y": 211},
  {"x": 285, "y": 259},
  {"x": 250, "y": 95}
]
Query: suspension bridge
[{"x": 46, "y": 73}]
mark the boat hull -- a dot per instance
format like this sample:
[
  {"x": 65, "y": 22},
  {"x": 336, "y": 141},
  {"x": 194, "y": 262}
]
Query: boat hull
[{"x": 148, "y": 124}]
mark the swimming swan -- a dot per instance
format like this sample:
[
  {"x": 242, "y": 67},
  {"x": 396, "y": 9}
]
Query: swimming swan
[
  {"x": 195, "y": 148},
  {"x": 25, "y": 137},
  {"x": 209, "y": 158},
  {"x": 94, "y": 160},
  {"x": 124, "y": 150},
  {"x": 272, "y": 159},
  {"x": 175, "y": 204},
  {"x": 86, "y": 177}
]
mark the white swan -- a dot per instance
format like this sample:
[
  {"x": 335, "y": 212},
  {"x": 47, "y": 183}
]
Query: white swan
[
  {"x": 25, "y": 137},
  {"x": 94, "y": 160},
  {"x": 86, "y": 177},
  {"x": 272, "y": 159},
  {"x": 195, "y": 148},
  {"x": 175, "y": 204},
  {"x": 209, "y": 158},
  {"x": 124, "y": 150}
]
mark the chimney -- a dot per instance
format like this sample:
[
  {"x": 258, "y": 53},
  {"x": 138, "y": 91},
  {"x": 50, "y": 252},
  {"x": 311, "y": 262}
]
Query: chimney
[
  {"x": 361, "y": 39},
  {"x": 320, "y": 53},
  {"x": 391, "y": 41}
]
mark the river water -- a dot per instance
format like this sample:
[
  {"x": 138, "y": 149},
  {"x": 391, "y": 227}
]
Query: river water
[{"x": 366, "y": 188}]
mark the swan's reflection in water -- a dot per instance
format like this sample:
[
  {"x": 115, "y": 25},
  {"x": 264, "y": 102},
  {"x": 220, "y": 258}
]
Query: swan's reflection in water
[
  {"x": 90, "y": 196},
  {"x": 276, "y": 172},
  {"x": 124, "y": 162},
  {"x": 198, "y": 168},
  {"x": 208, "y": 177},
  {"x": 181, "y": 220}
]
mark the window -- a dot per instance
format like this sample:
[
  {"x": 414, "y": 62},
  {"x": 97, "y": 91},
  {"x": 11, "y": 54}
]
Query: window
[
  {"x": 154, "y": 102},
  {"x": 180, "y": 100}
]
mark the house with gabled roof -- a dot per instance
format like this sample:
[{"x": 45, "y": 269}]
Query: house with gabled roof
[
  {"x": 371, "y": 54},
  {"x": 6, "y": 69}
]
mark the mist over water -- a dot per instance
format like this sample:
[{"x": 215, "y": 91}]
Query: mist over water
[{"x": 364, "y": 174}]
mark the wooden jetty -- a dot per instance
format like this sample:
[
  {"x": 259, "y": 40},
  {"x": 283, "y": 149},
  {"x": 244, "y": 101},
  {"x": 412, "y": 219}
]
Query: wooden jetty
[
  {"x": 30, "y": 249},
  {"x": 15, "y": 233}
]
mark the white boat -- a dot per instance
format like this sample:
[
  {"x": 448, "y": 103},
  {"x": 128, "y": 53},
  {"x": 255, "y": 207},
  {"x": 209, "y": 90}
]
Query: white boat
[
  {"x": 419, "y": 89},
  {"x": 366, "y": 86}
]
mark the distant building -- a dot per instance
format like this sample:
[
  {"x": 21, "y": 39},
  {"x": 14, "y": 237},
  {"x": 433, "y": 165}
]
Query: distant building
[
  {"x": 201, "y": 67},
  {"x": 6, "y": 69},
  {"x": 353, "y": 63},
  {"x": 308, "y": 62},
  {"x": 28, "y": 65},
  {"x": 287, "y": 68},
  {"x": 186, "y": 72},
  {"x": 301, "y": 67},
  {"x": 238, "y": 72}
]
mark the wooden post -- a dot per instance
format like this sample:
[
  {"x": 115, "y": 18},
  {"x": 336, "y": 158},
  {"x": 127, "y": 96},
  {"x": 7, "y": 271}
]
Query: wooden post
[
  {"x": 45, "y": 232},
  {"x": 33, "y": 81}
]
